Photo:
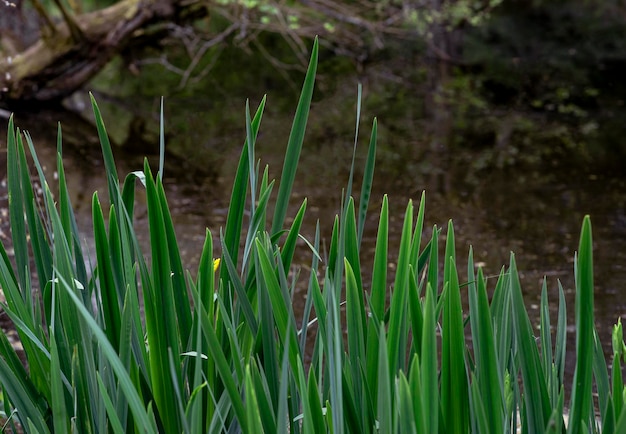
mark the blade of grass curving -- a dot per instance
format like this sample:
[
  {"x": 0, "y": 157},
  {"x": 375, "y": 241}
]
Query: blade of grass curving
[
  {"x": 107, "y": 153},
  {"x": 128, "y": 192},
  {"x": 289, "y": 247},
  {"x": 581, "y": 388},
  {"x": 368, "y": 176},
  {"x": 294, "y": 145}
]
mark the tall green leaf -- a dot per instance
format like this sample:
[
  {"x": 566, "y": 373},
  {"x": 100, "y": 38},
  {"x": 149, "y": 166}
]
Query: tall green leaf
[
  {"x": 581, "y": 388},
  {"x": 294, "y": 145}
]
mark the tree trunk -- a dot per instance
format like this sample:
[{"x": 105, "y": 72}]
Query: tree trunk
[{"x": 62, "y": 61}]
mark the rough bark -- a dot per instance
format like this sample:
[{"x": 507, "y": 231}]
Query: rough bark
[{"x": 59, "y": 62}]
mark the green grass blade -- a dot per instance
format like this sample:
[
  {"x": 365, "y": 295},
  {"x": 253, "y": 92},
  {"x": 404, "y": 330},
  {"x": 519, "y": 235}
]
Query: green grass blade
[
  {"x": 253, "y": 416},
  {"x": 428, "y": 365},
  {"x": 479, "y": 412},
  {"x": 397, "y": 338},
  {"x": 617, "y": 383},
  {"x": 294, "y": 146},
  {"x": 417, "y": 236},
  {"x": 161, "y": 319},
  {"x": 108, "y": 292},
  {"x": 417, "y": 395},
  {"x": 561, "y": 337},
  {"x": 485, "y": 355},
  {"x": 536, "y": 398},
  {"x": 16, "y": 207},
  {"x": 289, "y": 247},
  {"x": 433, "y": 263},
  {"x": 368, "y": 176},
  {"x": 355, "y": 319},
  {"x": 454, "y": 384},
  {"x": 384, "y": 416},
  {"x": 59, "y": 409},
  {"x": 113, "y": 418},
  {"x": 378, "y": 292},
  {"x": 224, "y": 370},
  {"x": 237, "y": 204},
  {"x": 601, "y": 376},
  {"x": 581, "y": 388},
  {"x": 107, "y": 153}
]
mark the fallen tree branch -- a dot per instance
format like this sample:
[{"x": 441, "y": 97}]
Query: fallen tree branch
[{"x": 55, "y": 67}]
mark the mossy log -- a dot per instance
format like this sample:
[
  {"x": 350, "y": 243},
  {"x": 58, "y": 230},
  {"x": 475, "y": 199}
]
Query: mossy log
[{"x": 60, "y": 62}]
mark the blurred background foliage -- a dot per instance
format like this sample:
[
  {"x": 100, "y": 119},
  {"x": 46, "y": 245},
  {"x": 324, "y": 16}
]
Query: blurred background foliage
[{"x": 493, "y": 82}]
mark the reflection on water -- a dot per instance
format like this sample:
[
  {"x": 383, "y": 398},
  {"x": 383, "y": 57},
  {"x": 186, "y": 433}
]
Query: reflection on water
[{"x": 536, "y": 215}]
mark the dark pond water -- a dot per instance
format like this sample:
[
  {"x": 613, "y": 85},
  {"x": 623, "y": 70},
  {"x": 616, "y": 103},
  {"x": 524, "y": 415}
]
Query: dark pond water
[{"x": 536, "y": 214}]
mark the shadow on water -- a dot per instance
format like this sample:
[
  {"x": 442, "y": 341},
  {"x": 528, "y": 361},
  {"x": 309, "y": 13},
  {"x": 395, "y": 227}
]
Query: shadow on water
[{"x": 537, "y": 214}]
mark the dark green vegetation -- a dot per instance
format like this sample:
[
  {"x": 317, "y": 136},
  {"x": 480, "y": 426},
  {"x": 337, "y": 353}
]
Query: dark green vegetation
[
  {"x": 497, "y": 82},
  {"x": 114, "y": 343}
]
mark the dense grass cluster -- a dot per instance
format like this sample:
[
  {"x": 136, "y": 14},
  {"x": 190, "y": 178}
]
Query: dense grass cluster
[{"x": 115, "y": 344}]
